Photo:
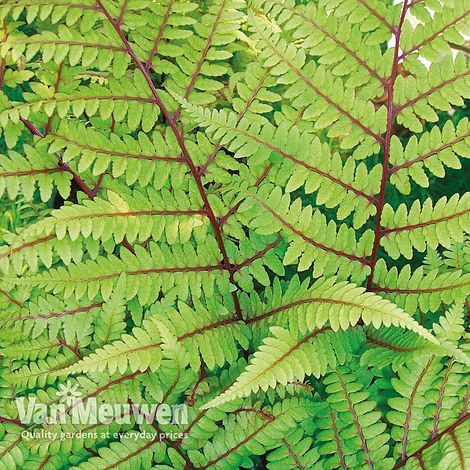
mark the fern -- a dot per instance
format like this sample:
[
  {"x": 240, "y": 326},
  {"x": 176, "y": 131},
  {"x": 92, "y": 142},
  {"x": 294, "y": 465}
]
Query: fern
[{"x": 253, "y": 208}]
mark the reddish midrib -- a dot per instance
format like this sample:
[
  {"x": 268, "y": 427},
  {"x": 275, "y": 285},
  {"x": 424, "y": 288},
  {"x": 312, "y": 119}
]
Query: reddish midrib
[
  {"x": 377, "y": 15},
  {"x": 396, "y": 168},
  {"x": 241, "y": 443},
  {"x": 27, "y": 245},
  {"x": 431, "y": 90},
  {"x": 293, "y": 455},
  {"x": 429, "y": 443},
  {"x": 187, "y": 157},
  {"x": 83, "y": 186},
  {"x": 406, "y": 424},
  {"x": 356, "y": 421},
  {"x": 325, "y": 97},
  {"x": 30, "y": 172},
  {"x": 258, "y": 255},
  {"x": 423, "y": 224},
  {"x": 426, "y": 290},
  {"x": 458, "y": 448},
  {"x": 203, "y": 168},
  {"x": 201, "y": 59},
  {"x": 386, "y": 170},
  {"x": 133, "y": 454},
  {"x": 351, "y": 52},
  {"x": 385, "y": 345},
  {"x": 154, "y": 50},
  {"x": 437, "y": 413},
  {"x": 10, "y": 298},
  {"x": 311, "y": 240},
  {"x": 337, "y": 440},
  {"x": 326, "y": 175},
  {"x": 435, "y": 35},
  {"x": 117, "y": 153},
  {"x": 58, "y": 314},
  {"x": 310, "y": 300}
]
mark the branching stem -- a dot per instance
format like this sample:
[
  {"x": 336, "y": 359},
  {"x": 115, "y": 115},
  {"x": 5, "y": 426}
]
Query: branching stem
[
  {"x": 187, "y": 158},
  {"x": 391, "y": 112}
]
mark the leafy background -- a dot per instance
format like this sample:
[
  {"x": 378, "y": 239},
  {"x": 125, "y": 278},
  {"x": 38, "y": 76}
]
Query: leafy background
[{"x": 327, "y": 387}]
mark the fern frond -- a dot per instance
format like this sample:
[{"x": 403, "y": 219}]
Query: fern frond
[
  {"x": 310, "y": 236},
  {"x": 327, "y": 37},
  {"x": 173, "y": 21},
  {"x": 38, "y": 348},
  {"x": 209, "y": 333},
  {"x": 22, "y": 173},
  {"x": 434, "y": 151},
  {"x": 32, "y": 251},
  {"x": 42, "y": 372},
  {"x": 310, "y": 163},
  {"x": 446, "y": 23},
  {"x": 255, "y": 92},
  {"x": 450, "y": 451},
  {"x": 426, "y": 226},
  {"x": 283, "y": 358},
  {"x": 95, "y": 48},
  {"x": 202, "y": 63},
  {"x": 211, "y": 205},
  {"x": 136, "y": 217},
  {"x": 451, "y": 326},
  {"x": 327, "y": 301},
  {"x": 120, "y": 100},
  {"x": 130, "y": 451},
  {"x": 447, "y": 88},
  {"x": 458, "y": 256},
  {"x": 136, "y": 352},
  {"x": 11, "y": 454},
  {"x": 393, "y": 347},
  {"x": 419, "y": 411},
  {"x": 314, "y": 87},
  {"x": 55, "y": 10},
  {"x": 426, "y": 291},
  {"x": 295, "y": 452},
  {"x": 140, "y": 159},
  {"x": 251, "y": 429},
  {"x": 350, "y": 427},
  {"x": 159, "y": 265}
]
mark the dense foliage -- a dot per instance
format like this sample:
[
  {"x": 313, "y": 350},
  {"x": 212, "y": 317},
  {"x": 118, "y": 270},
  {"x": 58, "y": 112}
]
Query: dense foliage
[{"x": 251, "y": 207}]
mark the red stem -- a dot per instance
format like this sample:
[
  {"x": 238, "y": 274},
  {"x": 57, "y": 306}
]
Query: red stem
[
  {"x": 426, "y": 155},
  {"x": 434, "y": 36},
  {"x": 186, "y": 156},
  {"x": 10, "y": 298},
  {"x": 4, "y": 419},
  {"x": 91, "y": 193},
  {"x": 115, "y": 152},
  {"x": 259, "y": 254},
  {"x": 377, "y": 15},
  {"x": 162, "y": 437},
  {"x": 70, "y": 348},
  {"x": 83, "y": 186},
  {"x": 406, "y": 424},
  {"x": 121, "y": 14},
  {"x": 386, "y": 167},
  {"x": 192, "y": 397},
  {"x": 420, "y": 451},
  {"x": 163, "y": 24}
]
